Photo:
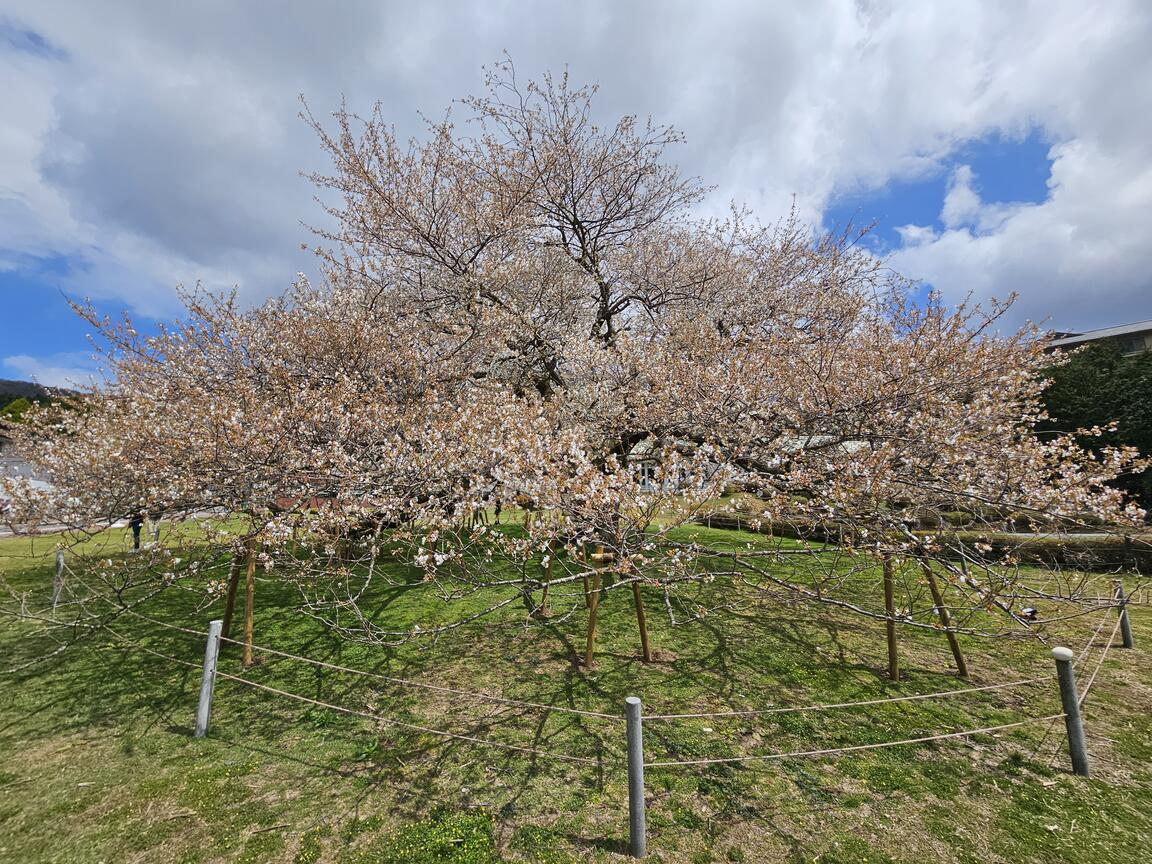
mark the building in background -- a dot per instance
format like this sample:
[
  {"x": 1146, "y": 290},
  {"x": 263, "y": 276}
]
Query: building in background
[{"x": 1131, "y": 339}]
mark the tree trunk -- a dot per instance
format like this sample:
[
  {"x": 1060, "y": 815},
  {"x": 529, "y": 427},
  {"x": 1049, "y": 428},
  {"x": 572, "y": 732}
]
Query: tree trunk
[
  {"x": 230, "y": 602},
  {"x": 587, "y": 562},
  {"x": 545, "y": 609},
  {"x": 945, "y": 619},
  {"x": 249, "y": 601},
  {"x": 593, "y": 607},
  {"x": 640, "y": 620},
  {"x": 890, "y": 623}
]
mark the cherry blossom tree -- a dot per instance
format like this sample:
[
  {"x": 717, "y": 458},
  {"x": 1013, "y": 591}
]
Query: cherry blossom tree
[{"x": 524, "y": 310}]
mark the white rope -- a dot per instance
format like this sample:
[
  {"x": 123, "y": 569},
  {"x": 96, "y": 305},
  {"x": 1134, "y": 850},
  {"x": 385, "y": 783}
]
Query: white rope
[
  {"x": 368, "y": 714},
  {"x": 1075, "y": 663},
  {"x": 856, "y": 748},
  {"x": 434, "y": 687},
  {"x": 825, "y": 707},
  {"x": 391, "y": 679},
  {"x": 1099, "y": 662},
  {"x": 1087, "y": 645},
  {"x": 392, "y": 722}
]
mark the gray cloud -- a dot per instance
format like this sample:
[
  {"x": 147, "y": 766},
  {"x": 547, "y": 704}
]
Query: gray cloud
[{"x": 159, "y": 143}]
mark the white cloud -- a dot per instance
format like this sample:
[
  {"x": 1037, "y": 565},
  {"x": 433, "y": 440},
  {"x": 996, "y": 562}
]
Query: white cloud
[
  {"x": 962, "y": 202},
  {"x": 1080, "y": 259},
  {"x": 70, "y": 369},
  {"x": 160, "y": 144},
  {"x": 915, "y": 235}
]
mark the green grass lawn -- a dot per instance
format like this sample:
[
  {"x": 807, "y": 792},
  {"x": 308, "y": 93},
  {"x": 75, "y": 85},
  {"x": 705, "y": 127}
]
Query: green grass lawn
[{"x": 97, "y": 761}]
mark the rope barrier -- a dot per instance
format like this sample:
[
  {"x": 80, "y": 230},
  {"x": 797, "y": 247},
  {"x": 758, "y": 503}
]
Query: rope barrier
[
  {"x": 825, "y": 707},
  {"x": 855, "y": 748},
  {"x": 368, "y": 714},
  {"x": 1050, "y": 719},
  {"x": 599, "y": 714},
  {"x": 1087, "y": 645},
  {"x": 1083, "y": 695},
  {"x": 434, "y": 687},
  {"x": 1075, "y": 663},
  {"x": 416, "y": 727},
  {"x": 1099, "y": 662},
  {"x": 489, "y": 697}
]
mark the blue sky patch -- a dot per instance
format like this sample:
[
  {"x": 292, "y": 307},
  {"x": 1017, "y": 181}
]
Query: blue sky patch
[
  {"x": 37, "y": 319},
  {"x": 1007, "y": 169}
]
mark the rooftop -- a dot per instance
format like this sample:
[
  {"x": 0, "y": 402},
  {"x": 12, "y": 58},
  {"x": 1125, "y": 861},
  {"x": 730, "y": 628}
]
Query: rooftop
[{"x": 1066, "y": 339}]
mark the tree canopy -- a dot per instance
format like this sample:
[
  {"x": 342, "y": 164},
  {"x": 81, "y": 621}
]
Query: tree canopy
[{"x": 527, "y": 310}]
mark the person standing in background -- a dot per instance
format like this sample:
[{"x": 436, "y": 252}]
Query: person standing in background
[{"x": 136, "y": 522}]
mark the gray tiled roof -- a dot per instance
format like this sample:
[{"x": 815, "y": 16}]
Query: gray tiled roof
[{"x": 1105, "y": 333}]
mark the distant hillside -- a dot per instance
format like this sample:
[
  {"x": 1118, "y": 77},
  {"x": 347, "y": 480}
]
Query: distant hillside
[{"x": 10, "y": 390}]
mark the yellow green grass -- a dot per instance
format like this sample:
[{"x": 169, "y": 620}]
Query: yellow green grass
[{"x": 98, "y": 762}]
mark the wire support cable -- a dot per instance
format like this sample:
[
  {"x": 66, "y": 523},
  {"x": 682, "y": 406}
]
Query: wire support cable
[
  {"x": 473, "y": 694},
  {"x": 828, "y": 706},
  {"x": 1095, "y": 633},
  {"x": 159, "y": 623},
  {"x": 360, "y": 713},
  {"x": 833, "y": 751},
  {"x": 406, "y": 725},
  {"x": 1099, "y": 663}
]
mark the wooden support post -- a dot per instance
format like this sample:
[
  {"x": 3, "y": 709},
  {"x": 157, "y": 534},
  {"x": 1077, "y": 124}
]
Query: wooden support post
[
  {"x": 545, "y": 609},
  {"x": 945, "y": 619},
  {"x": 638, "y": 600},
  {"x": 249, "y": 602},
  {"x": 586, "y": 561},
  {"x": 890, "y": 620},
  {"x": 593, "y": 607},
  {"x": 230, "y": 600}
]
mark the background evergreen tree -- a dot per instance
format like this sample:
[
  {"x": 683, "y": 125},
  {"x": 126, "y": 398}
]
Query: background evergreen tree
[{"x": 1100, "y": 385}]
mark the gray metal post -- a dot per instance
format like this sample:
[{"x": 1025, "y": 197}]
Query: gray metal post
[
  {"x": 58, "y": 579},
  {"x": 208, "y": 681},
  {"x": 1125, "y": 624},
  {"x": 1071, "y": 705},
  {"x": 637, "y": 843}
]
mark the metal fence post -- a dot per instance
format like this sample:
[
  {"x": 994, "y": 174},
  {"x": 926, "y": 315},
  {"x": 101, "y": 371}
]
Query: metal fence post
[
  {"x": 1071, "y": 705},
  {"x": 208, "y": 681},
  {"x": 637, "y": 844},
  {"x": 58, "y": 579},
  {"x": 1125, "y": 624}
]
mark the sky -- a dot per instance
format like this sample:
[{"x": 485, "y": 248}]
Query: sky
[{"x": 998, "y": 147}]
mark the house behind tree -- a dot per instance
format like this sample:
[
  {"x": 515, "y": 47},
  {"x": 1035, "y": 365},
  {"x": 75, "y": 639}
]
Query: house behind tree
[{"x": 1131, "y": 339}]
